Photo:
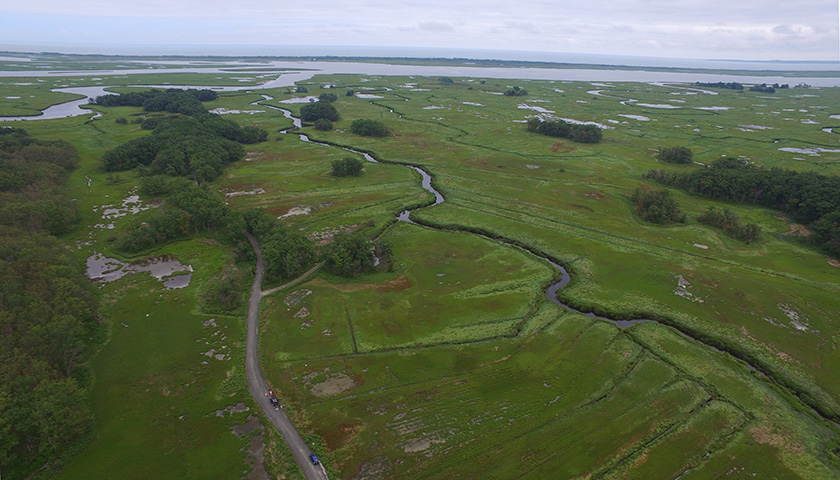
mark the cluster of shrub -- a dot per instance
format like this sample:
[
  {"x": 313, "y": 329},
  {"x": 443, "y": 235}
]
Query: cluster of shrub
[
  {"x": 172, "y": 100},
  {"x": 516, "y": 91},
  {"x": 369, "y": 128},
  {"x": 764, "y": 88},
  {"x": 347, "y": 167},
  {"x": 679, "y": 155},
  {"x": 810, "y": 198},
  {"x": 730, "y": 223},
  {"x": 47, "y": 308},
  {"x": 197, "y": 147},
  {"x": 559, "y": 128},
  {"x": 657, "y": 206},
  {"x": 729, "y": 85}
]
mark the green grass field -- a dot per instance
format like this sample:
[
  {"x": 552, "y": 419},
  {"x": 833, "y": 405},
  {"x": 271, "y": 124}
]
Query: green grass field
[{"x": 455, "y": 364}]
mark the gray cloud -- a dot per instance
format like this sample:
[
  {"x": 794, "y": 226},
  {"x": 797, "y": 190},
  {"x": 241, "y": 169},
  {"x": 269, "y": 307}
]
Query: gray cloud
[{"x": 805, "y": 29}]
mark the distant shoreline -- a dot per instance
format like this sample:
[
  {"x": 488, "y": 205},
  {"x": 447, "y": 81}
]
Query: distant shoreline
[{"x": 722, "y": 66}]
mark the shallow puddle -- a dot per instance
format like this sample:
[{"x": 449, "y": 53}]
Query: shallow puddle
[{"x": 104, "y": 270}]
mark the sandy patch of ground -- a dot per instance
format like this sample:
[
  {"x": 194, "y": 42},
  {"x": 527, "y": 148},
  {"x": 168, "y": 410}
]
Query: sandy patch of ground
[{"x": 296, "y": 297}]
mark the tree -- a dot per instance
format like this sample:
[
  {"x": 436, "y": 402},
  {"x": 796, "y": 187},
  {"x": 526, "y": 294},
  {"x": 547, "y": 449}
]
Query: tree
[
  {"x": 347, "y": 167},
  {"x": 327, "y": 97},
  {"x": 369, "y": 128},
  {"x": 316, "y": 110},
  {"x": 516, "y": 91}
]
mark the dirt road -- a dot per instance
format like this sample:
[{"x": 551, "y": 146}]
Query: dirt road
[{"x": 258, "y": 385}]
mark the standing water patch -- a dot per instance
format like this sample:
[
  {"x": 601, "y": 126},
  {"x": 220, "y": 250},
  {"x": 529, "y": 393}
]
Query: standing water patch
[{"x": 164, "y": 268}]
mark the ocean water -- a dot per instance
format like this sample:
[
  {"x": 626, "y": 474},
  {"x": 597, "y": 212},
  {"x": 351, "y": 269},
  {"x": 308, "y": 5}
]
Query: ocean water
[{"x": 436, "y": 52}]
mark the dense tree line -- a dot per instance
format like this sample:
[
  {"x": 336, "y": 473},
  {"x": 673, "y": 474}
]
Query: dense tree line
[
  {"x": 657, "y": 206},
  {"x": 559, "y": 128},
  {"x": 729, "y": 85},
  {"x": 47, "y": 308},
  {"x": 173, "y": 100},
  {"x": 198, "y": 148},
  {"x": 32, "y": 175},
  {"x": 730, "y": 223},
  {"x": 369, "y": 128},
  {"x": 810, "y": 198},
  {"x": 681, "y": 155}
]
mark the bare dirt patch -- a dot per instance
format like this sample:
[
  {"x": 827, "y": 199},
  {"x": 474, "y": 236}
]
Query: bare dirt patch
[
  {"x": 375, "y": 469},
  {"x": 798, "y": 230},
  {"x": 340, "y": 435},
  {"x": 561, "y": 147},
  {"x": 833, "y": 262},
  {"x": 397, "y": 284},
  {"x": 334, "y": 383}
]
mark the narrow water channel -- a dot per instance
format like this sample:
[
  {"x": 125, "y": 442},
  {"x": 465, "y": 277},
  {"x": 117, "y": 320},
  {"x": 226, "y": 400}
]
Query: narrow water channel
[{"x": 551, "y": 291}]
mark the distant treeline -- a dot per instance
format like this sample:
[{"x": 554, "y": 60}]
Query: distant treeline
[
  {"x": 559, "y": 128},
  {"x": 729, "y": 85},
  {"x": 810, "y": 198},
  {"x": 172, "y": 100},
  {"x": 47, "y": 308},
  {"x": 764, "y": 88}
]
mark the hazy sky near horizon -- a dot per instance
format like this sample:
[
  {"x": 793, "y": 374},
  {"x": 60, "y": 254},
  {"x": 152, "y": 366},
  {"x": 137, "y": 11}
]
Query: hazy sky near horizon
[{"x": 724, "y": 29}]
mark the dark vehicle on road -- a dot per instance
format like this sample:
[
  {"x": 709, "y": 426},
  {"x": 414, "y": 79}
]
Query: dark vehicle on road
[
  {"x": 314, "y": 459},
  {"x": 274, "y": 402}
]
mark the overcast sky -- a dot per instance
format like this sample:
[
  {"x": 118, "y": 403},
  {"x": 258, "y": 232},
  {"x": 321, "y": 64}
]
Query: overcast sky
[{"x": 726, "y": 29}]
